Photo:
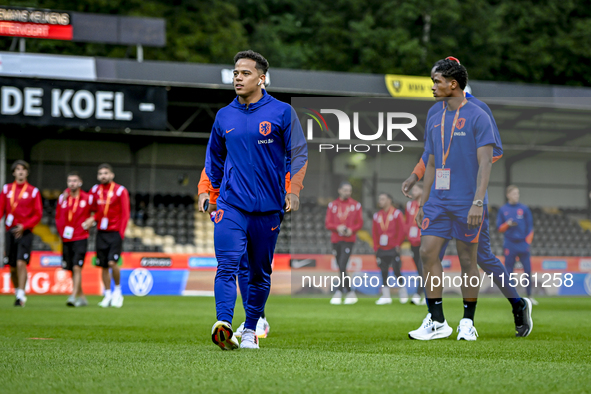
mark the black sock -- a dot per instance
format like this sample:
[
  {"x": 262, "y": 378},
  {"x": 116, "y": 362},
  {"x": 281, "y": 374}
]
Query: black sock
[
  {"x": 263, "y": 315},
  {"x": 469, "y": 309},
  {"x": 435, "y": 306},
  {"x": 514, "y": 301}
]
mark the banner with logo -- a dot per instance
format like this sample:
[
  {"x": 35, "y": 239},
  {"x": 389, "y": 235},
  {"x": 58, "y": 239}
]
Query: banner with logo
[
  {"x": 186, "y": 274},
  {"x": 409, "y": 86},
  {"x": 82, "y": 104}
]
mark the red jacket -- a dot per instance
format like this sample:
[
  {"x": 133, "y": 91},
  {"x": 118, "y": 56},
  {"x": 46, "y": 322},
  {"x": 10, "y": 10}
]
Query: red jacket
[
  {"x": 412, "y": 230},
  {"x": 347, "y": 212},
  {"x": 388, "y": 229},
  {"x": 114, "y": 200},
  {"x": 22, "y": 203},
  {"x": 72, "y": 212}
]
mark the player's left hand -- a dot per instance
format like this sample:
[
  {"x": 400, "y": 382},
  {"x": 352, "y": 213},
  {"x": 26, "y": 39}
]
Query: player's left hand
[
  {"x": 292, "y": 202},
  {"x": 475, "y": 216},
  {"x": 18, "y": 231}
]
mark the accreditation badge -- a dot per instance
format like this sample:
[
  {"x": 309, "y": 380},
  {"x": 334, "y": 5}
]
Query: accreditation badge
[
  {"x": 414, "y": 231},
  {"x": 383, "y": 240},
  {"x": 442, "y": 178},
  {"x": 68, "y": 232},
  {"x": 9, "y": 220},
  {"x": 104, "y": 223}
]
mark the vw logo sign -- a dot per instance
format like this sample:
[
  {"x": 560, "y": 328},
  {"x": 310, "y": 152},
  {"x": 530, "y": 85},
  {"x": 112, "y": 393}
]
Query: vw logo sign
[
  {"x": 588, "y": 284},
  {"x": 140, "y": 282}
]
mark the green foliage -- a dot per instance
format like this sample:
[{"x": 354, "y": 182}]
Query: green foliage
[{"x": 528, "y": 41}]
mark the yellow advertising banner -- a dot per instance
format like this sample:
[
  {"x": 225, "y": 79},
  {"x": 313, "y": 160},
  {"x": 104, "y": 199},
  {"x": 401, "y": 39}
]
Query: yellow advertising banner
[{"x": 408, "y": 86}]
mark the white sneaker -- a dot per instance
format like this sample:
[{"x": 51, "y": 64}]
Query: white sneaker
[
  {"x": 249, "y": 340},
  {"x": 336, "y": 298},
  {"x": 223, "y": 336},
  {"x": 239, "y": 331},
  {"x": 431, "y": 330},
  {"x": 384, "y": 300},
  {"x": 81, "y": 302},
  {"x": 417, "y": 300},
  {"x": 403, "y": 295},
  {"x": 466, "y": 330},
  {"x": 117, "y": 301},
  {"x": 351, "y": 298},
  {"x": 533, "y": 301},
  {"x": 105, "y": 303},
  {"x": 71, "y": 301},
  {"x": 263, "y": 328}
]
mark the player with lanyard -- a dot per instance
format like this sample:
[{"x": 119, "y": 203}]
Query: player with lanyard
[
  {"x": 344, "y": 218},
  {"x": 413, "y": 234},
  {"x": 72, "y": 210},
  {"x": 486, "y": 259},
  {"x": 516, "y": 222},
  {"x": 254, "y": 142},
  {"x": 388, "y": 234},
  {"x": 203, "y": 190},
  {"x": 111, "y": 217},
  {"x": 20, "y": 205},
  {"x": 455, "y": 197}
]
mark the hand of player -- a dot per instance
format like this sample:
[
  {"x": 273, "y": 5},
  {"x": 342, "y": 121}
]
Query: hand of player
[
  {"x": 88, "y": 223},
  {"x": 408, "y": 184},
  {"x": 18, "y": 231},
  {"x": 475, "y": 217},
  {"x": 292, "y": 202},
  {"x": 419, "y": 218},
  {"x": 341, "y": 229},
  {"x": 348, "y": 232},
  {"x": 201, "y": 200},
  {"x": 511, "y": 223},
  {"x": 212, "y": 207}
]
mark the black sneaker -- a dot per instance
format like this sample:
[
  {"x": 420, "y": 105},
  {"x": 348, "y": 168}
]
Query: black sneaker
[
  {"x": 523, "y": 321},
  {"x": 19, "y": 302}
]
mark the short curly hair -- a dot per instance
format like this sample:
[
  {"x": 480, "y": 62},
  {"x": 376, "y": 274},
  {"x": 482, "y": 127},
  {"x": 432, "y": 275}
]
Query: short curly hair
[
  {"x": 261, "y": 63},
  {"x": 451, "y": 69}
]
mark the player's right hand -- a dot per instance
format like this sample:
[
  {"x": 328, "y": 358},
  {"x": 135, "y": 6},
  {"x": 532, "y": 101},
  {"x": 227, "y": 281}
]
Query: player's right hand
[
  {"x": 419, "y": 217},
  {"x": 408, "y": 184},
  {"x": 212, "y": 207},
  {"x": 201, "y": 201}
]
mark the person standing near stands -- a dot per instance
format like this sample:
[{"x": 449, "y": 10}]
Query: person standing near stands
[
  {"x": 388, "y": 234},
  {"x": 20, "y": 205},
  {"x": 254, "y": 142},
  {"x": 413, "y": 234},
  {"x": 111, "y": 217},
  {"x": 516, "y": 222},
  {"x": 73, "y": 209},
  {"x": 344, "y": 218}
]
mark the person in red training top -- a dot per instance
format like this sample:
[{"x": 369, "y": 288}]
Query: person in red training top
[
  {"x": 73, "y": 209},
  {"x": 20, "y": 204},
  {"x": 388, "y": 234},
  {"x": 344, "y": 218},
  {"x": 111, "y": 217},
  {"x": 413, "y": 234}
]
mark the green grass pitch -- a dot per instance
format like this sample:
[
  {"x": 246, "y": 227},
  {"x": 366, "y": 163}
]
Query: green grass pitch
[{"x": 163, "y": 344}]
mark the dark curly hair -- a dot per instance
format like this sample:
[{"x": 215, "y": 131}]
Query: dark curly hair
[
  {"x": 262, "y": 63},
  {"x": 451, "y": 69}
]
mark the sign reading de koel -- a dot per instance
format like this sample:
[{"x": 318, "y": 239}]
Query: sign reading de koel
[{"x": 81, "y": 104}]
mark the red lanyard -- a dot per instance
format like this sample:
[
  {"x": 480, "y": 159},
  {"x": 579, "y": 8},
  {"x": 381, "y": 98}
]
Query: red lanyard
[
  {"x": 71, "y": 212},
  {"x": 13, "y": 203},
  {"x": 384, "y": 226},
  {"x": 108, "y": 202},
  {"x": 453, "y": 127}
]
